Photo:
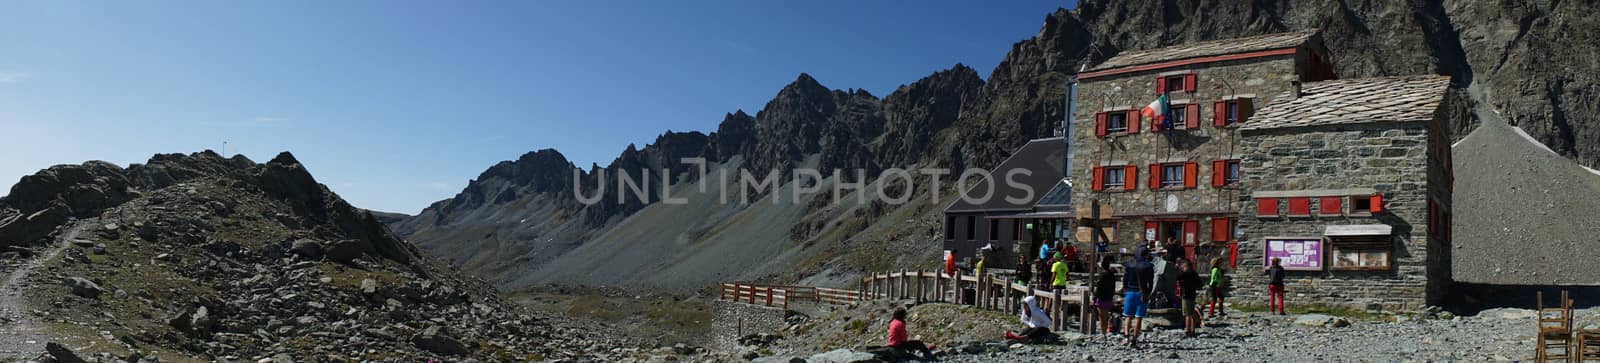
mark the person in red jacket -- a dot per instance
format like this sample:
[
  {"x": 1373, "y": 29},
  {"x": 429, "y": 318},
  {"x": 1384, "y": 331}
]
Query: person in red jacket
[{"x": 902, "y": 348}]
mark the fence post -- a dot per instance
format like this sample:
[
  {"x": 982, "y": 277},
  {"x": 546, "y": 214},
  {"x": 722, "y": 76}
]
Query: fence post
[
  {"x": 1055, "y": 307},
  {"x": 769, "y": 296},
  {"x": 920, "y": 292},
  {"x": 1084, "y": 321}
]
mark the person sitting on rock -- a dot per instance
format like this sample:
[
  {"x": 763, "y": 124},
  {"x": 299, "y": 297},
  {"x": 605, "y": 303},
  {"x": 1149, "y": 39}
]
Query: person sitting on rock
[
  {"x": 1036, "y": 319},
  {"x": 899, "y": 346}
]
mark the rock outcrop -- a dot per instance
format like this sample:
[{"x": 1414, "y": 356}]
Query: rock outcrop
[{"x": 199, "y": 256}]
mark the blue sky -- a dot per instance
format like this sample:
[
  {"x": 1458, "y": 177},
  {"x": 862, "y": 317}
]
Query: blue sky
[{"x": 395, "y": 105}]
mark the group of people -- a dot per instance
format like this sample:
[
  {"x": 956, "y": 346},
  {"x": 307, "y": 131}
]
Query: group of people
[{"x": 1174, "y": 280}]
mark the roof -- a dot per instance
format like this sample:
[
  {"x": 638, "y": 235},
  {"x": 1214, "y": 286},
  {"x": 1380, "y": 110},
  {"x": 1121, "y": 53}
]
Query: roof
[
  {"x": 1355, "y": 101},
  {"x": 1208, "y": 48},
  {"x": 1042, "y": 157}
]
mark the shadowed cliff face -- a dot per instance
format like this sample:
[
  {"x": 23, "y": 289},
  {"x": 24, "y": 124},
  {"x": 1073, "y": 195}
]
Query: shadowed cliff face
[{"x": 1530, "y": 58}]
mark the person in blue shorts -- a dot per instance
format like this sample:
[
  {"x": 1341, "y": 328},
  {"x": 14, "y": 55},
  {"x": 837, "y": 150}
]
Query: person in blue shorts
[{"x": 1136, "y": 280}]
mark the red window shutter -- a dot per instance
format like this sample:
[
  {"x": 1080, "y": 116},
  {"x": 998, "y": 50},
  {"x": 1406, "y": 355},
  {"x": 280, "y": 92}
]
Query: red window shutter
[
  {"x": 1161, "y": 84},
  {"x": 1377, "y": 203},
  {"x": 1097, "y": 179},
  {"x": 1192, "y": 120},
  {"x": 1219, "y": 169},
  {"x": 1267, "y": 207},
  {"x": 1219, "y": 229},
  {"x": 1246, "y": 108},
  {"x": 1190, "y": 228},
  {"x": 1189, "y": 83},
  {"x": 1300, "y": 206},
  {"x": 1100, "y": 124},
  {"x": 1191, "y": 172},
  {"x": 1219, "y": 111},
  {"x": 1155, "y": 176},
  {"x": 1330, "y": 206},
  {"x": 1130, "y": 178},
  {"x": 1133, "y": 121}
]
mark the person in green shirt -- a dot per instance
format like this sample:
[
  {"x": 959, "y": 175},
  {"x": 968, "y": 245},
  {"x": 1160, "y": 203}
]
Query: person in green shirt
[
  {"x": 1060, "y": 270},
  {"x": 1218, "y": 286}
]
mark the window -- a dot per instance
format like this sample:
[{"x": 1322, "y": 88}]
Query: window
[
  {"x": 1115, "y": 177},
  {"x": 994, "y": 229},
  {"x": 1180, "y": 116},
  {"x": 1175, "y": 84},
  {"x": 1224, "y": 173},
  {"x": 1171, "y": 175},
  {"x": 1363, "y": 205},
  {"x": 1233, "y": 173},
  {"x": 1116, "y": 122},
  {"x": 1231, "y": 113},
  {"x": 972, "y": 228},
  {"x": 1361, "y": 253},
  {"x": 950, "y": 227}
]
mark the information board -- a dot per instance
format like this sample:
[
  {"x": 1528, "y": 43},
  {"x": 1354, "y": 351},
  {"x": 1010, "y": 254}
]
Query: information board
[{"x": 1297, "y": 254}]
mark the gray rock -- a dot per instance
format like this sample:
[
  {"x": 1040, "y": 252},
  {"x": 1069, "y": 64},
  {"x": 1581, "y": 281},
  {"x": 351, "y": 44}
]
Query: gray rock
[
  {"x": 61, "y": 353},
  {"x": 195, "y": 321},
  {"x": 843, "y": 356},
  {"x": 369, "y": 286},
  {"x": 306, "y": 248},
  {"x": 435, "y": 340},
  {"x": 83, "y": 287},
  {"x": 1320, "y": 320},
  {"x": 344, "y": 251},
  {"x": 778, "y": 359}
]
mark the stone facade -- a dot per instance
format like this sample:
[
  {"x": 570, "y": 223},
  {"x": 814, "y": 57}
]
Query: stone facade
[
  {"x": 1401, "y": 162},
  {"x": 1257, "y": 79}
]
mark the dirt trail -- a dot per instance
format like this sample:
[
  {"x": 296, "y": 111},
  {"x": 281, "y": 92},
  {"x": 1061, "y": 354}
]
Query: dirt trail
[{"x": 22, "y": 336}]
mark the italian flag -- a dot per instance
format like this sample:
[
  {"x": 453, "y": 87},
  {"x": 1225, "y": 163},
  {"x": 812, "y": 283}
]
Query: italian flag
[{"x": 1156, "y": 108}]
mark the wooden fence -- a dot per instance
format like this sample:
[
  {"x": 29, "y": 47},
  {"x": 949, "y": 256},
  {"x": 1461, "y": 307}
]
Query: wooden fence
[{"x": 983, "y": 291}]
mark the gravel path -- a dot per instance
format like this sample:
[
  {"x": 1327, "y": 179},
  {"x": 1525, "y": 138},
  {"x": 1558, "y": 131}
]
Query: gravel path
[
  {"x": 1494, "y": 335},
  {"x": 21, "y": 336}
]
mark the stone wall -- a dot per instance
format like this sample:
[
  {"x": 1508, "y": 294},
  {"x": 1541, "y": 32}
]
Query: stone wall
[
  {"x": 1259, "y": 79},
  {"x": 732, "y": 320},
  {"x": 1395, "y": 159}
]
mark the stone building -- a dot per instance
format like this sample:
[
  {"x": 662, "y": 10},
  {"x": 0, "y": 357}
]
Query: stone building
[
  {"x": 1183, "y": 182},
  {"x": 1350, "y": 185}
]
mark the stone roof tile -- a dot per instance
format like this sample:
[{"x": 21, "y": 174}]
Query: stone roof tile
[
  {"x": 1207, "y": 48},
  {"x": 1353, "y": 101}
]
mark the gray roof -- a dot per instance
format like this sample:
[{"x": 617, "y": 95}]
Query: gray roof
[
  {"x": 1208, "y": 48},
  {"x": 1354, "y": 101},
  {"x": 1043, "y": 157}
]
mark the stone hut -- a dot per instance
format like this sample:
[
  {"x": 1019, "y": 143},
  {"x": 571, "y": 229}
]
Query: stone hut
[
  {"x": 1349, "y": 183},
  {"x": 1180, "y": 181}
]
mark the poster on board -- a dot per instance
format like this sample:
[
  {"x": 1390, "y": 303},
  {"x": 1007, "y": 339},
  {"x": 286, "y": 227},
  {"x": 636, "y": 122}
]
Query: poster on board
[{"x": 1298, "y": 254}]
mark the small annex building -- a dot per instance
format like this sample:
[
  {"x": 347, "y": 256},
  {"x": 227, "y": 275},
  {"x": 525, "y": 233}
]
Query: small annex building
[
  {"x": 1022, "y": 203},
  {"x": 1350, "y": 186}
]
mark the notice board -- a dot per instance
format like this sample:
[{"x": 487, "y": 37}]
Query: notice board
[{"x": 1298, "y": 254}]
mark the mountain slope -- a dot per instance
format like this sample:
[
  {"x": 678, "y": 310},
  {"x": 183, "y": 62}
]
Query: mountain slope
[
  {"x": 953, "y": 119},
  {"x": 199, "y": 257}
]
